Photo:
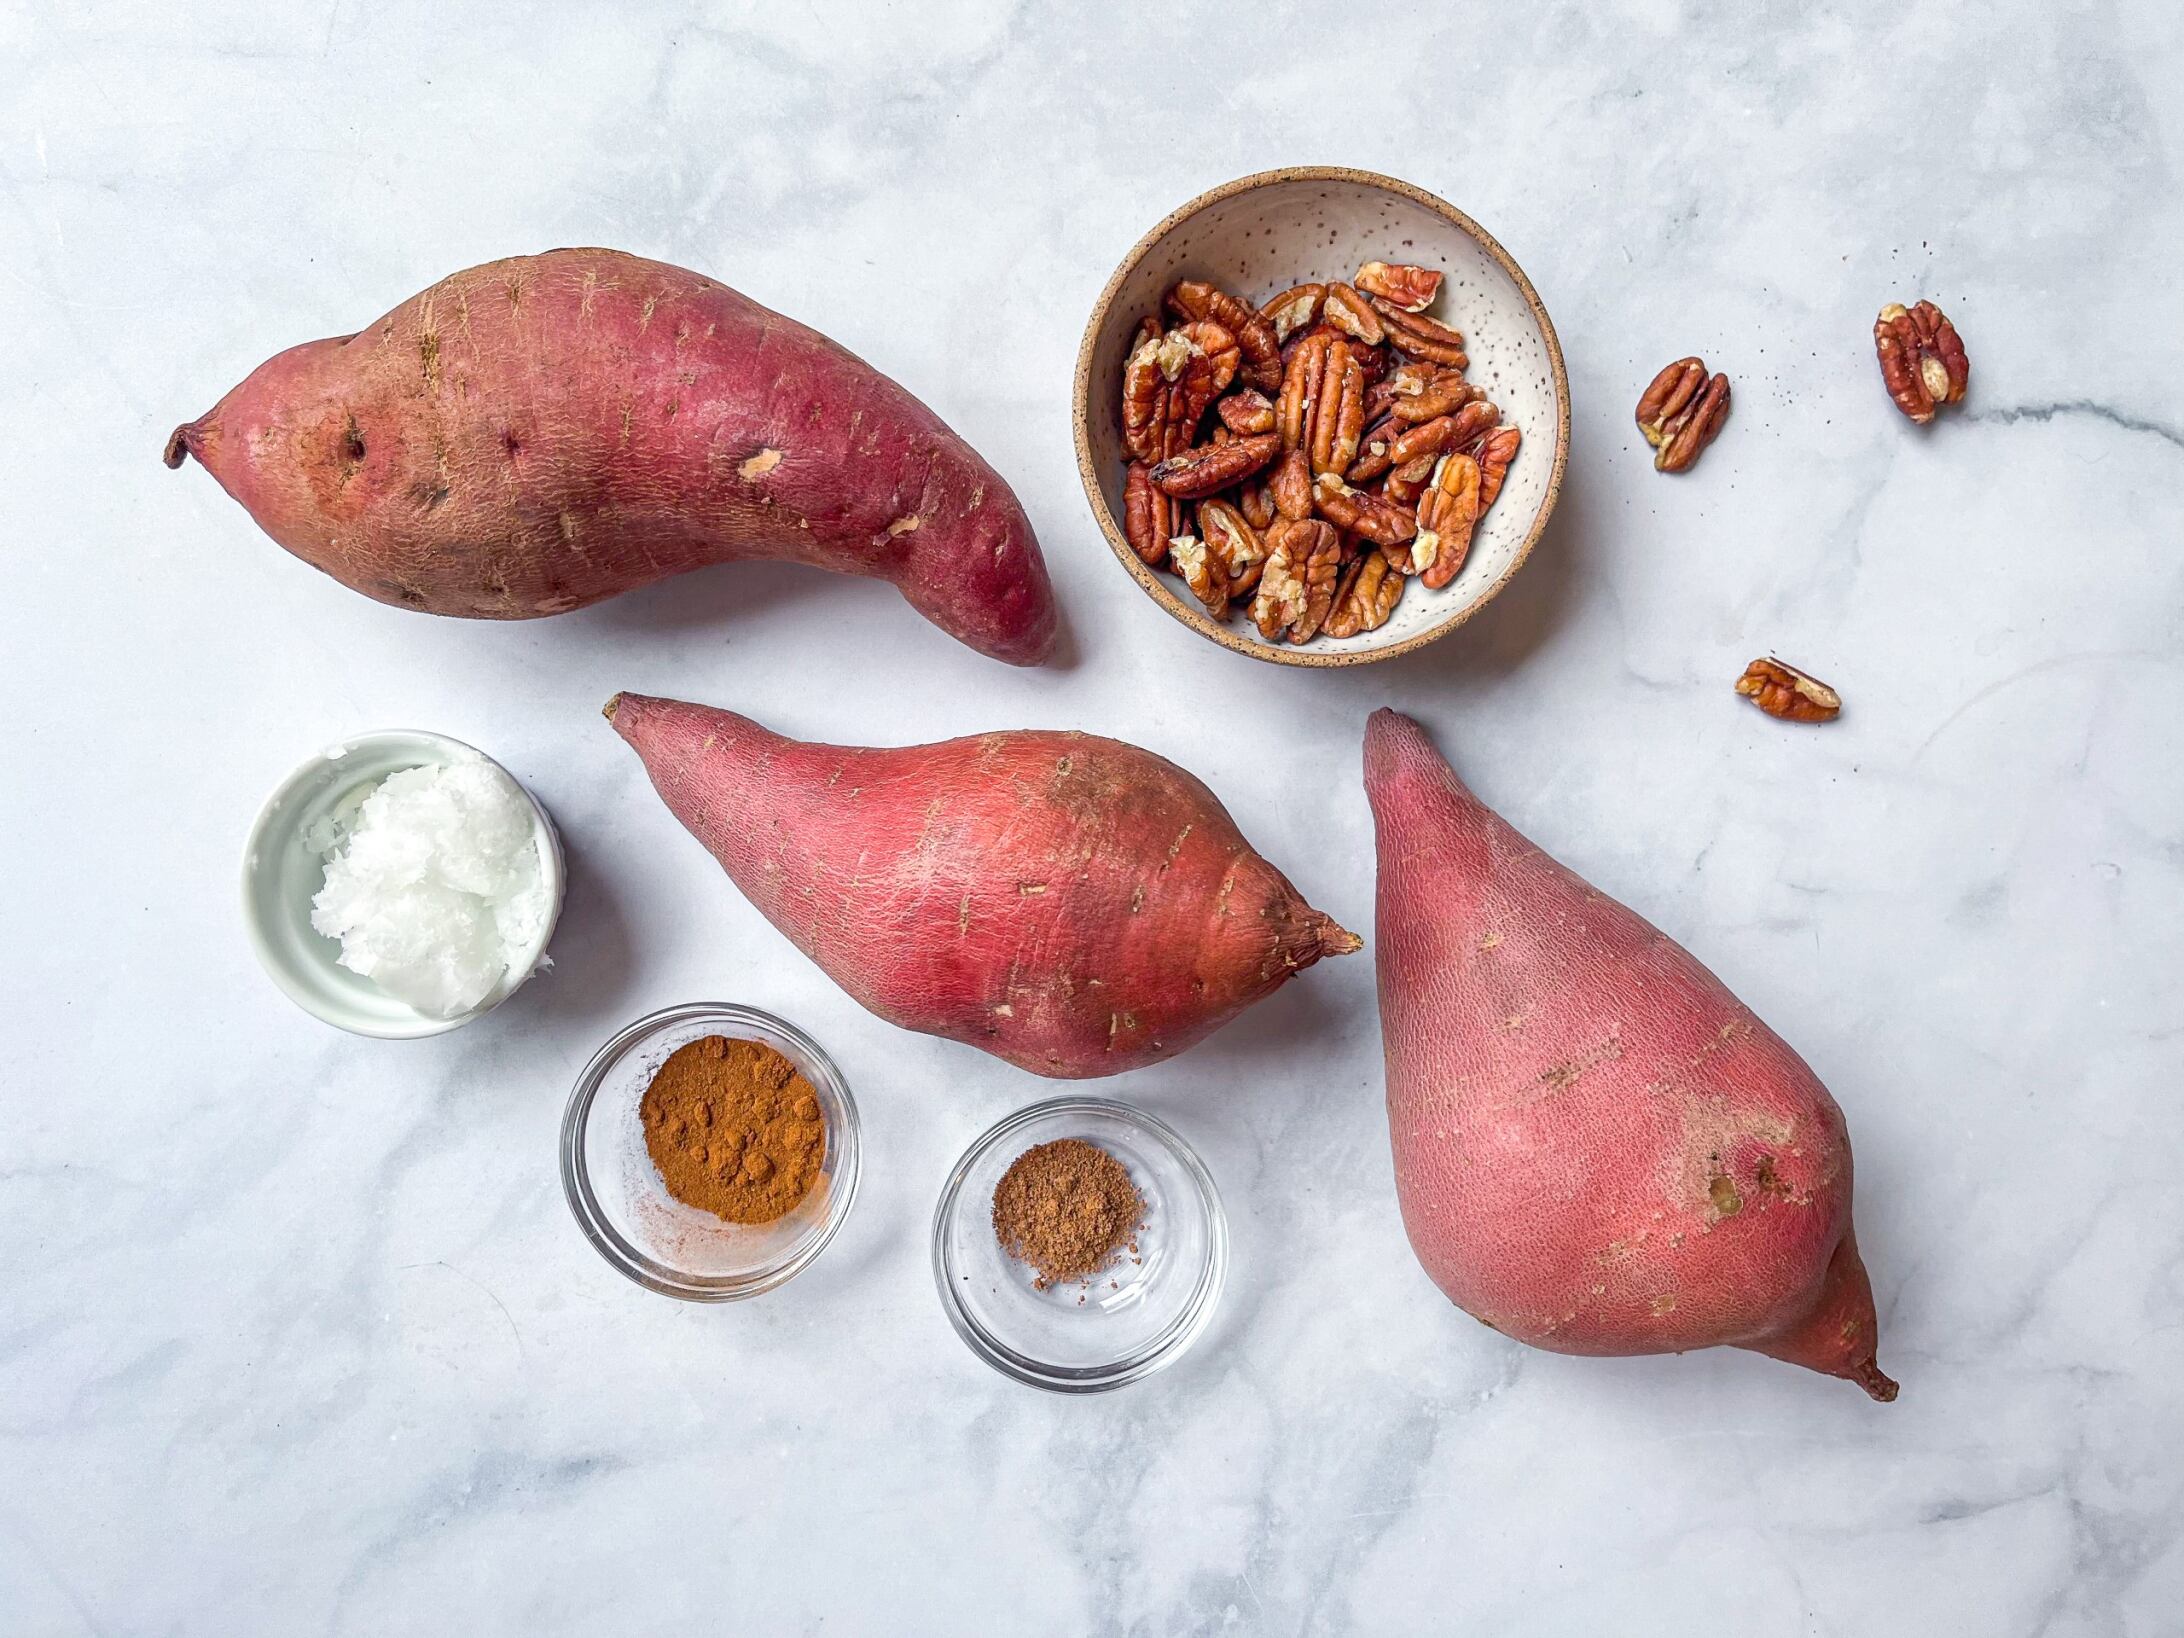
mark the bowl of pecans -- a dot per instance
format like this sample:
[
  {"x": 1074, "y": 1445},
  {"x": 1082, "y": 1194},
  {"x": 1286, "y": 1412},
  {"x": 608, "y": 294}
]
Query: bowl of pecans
[{"x": 1322, "y": 417}]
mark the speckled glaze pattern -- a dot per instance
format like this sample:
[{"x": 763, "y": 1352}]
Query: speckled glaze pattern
[{"x": 1258, "y": 236}]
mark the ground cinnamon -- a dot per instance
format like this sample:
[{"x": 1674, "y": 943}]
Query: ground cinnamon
[
  {"x": 1065, "y": 1208},
  {"x": 734, "y": 1129}
]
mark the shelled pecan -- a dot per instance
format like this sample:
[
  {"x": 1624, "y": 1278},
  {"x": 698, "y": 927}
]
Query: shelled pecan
[
  {"x": 1300, "y": 387},
  {"x": 1362, "y": 512},
  {"x": 1922, "y": 358},
  {"x": 1494, "y": 451},
  {"x": 1290, "y": 485},
  {"x": 1247, "y": 412},
  {"x": 1262, "y": 353},
  {"x": 1294, "y": 310},
  {"x": 1231, "y": 537},
  {"x": 1204, "y": 372},
  {"x": 1338, "y": 411},
  {"x": 1400, "y": 284},
  {"x": 1786, "y": 692},
  {"x": 1448, "y": 511},
  {"x": 1353, "y": 315},
  {"x": 1682, "y": 412},
  {"x": 1200, "y": 570},
  {"x": 1369, "y": 591},
  {"x": 1416, "y": 336},
  {"x": 1425, "y": 391},
  {"x": 1297, "y": 591},
  {"x": 1211, "y": 468},
  {"x": 1148, "y": 516}
]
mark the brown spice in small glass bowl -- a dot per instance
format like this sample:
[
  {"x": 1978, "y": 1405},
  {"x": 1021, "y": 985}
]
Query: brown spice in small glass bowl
[
  {"x": 734, "y": 1128},
  {"x": 1064, "y": 1209}
]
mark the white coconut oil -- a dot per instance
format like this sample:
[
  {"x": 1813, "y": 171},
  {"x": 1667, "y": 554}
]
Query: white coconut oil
[{"x": 435, "y": 884}]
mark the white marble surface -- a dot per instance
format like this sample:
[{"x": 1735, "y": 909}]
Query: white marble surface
[{"x": 296, "y": 1334}]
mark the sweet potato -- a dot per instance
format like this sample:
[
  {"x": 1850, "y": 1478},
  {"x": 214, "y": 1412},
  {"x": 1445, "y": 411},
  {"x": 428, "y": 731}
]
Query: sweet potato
[
  {"x": 1598, "y": 1149},
  {"x": 1074, "y": 905},
  {"x": 539, "y": 433}
]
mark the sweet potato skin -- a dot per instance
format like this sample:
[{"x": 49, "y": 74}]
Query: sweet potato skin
[
  {"x": 1598, "y": 1149},
  {"x": 535, "y": 434},
  {"x": 1072, "y": 904}
]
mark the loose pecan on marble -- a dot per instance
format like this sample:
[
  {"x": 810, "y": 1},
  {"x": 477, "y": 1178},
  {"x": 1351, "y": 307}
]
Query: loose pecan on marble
[
  {"x": 1786, "y": 692},
  {"x": 1922, "y": 358},
  {"x": 1682, "y": 412}
]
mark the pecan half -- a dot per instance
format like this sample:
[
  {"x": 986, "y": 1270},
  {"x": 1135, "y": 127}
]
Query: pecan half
[
  {"x": 1362, "y": 512},
  {"x": 1338, "y": 411},
  {"x": 1291, "y": 486},
  {"x": 1204, "y": 573},
  {"x": 1786, "y": 692},
  {"x": 1350, "y": 313},
  {"x": 1400, "y": 284},
  {"x": 1375, "y": 446},
  {"x": 1148, "y": 516},
  {"x": 1405, "y": 483},
  {"x": 1247, "y": 412},
  {"x": 1416, "y": 336},
  {"x": 1420, "y": 392},
  {"x": 1366, "y": 597},
  {"x": 1205, "y": 371},
  {"x": 1231, "y": 537},
  {"x": 1448, "y": 511},
  {"x": 1256, "y": 502},
  {"x": 1922, "y": 358},
  {"x": 1496, "y": 450},
  {"x": 1294, "y": 309},
  {"x": 1255, "y": 338},
  {"x": 1298, "y": 588},
  {"x": 1682, "y": 412},
  {"x": 1144, "y": 399},
  {"x": 1434, "y": 437},
  {"x": 1300, "y": 388},
  {"x": 1211, "y": 468}
]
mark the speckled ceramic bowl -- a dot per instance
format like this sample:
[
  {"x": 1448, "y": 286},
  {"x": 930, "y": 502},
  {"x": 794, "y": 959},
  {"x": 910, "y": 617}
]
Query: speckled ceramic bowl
[{"x": 1256, "y": 237}]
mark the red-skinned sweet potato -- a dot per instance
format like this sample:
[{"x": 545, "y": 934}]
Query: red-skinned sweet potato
[
  {"x": 1598, "y": 1149},
  {"x": 539, "y": 433},
  {"x": 1072, "y": 904}
]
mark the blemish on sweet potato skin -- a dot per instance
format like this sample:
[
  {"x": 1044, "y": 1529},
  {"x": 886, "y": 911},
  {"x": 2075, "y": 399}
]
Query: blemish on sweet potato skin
[{"x": 657, "y": 372}]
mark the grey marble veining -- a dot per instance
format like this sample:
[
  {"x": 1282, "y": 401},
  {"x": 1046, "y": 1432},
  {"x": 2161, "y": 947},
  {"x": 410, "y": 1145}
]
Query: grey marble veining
[{"x": 295, "y": 1332}]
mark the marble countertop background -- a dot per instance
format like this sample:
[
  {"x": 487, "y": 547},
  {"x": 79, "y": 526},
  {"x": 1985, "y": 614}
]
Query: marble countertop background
[{"x": 296, "y": 1334}]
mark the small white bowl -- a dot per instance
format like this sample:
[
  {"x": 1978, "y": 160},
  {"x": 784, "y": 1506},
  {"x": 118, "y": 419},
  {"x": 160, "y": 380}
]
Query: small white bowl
[
  {"x": 1258, "y": 236},
  {"x": 281, "y": 875}
]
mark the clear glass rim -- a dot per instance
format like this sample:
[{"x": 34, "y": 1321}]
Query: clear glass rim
[
  {"x": 1174, "y": 1339},
  {"x": 648, "y": 1271}
]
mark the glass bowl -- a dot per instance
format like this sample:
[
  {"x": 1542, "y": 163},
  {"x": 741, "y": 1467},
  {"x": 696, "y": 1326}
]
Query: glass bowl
[
  {"x": 1128, "y": 1320},
  {"x": 623, "y": 1206}
]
